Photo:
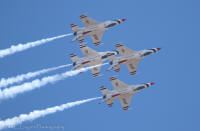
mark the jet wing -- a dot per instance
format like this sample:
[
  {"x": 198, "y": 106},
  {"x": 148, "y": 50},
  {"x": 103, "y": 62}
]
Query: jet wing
[
  {"x": 95, "y": 70},
  {"x": 124, "y": 51},
  {"x": 96, "y": 37},
  {"x": 125, "y": 100},
  {"x": 87, "y": 52},
  {"x": 117, "y": 84},
  {"x": 88, "y": 21},
  {"x": 132, "y": 66}
]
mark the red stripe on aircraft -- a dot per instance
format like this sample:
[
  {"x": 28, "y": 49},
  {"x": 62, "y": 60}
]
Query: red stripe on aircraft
[
  {"x": 115, "y": 95},
  {"x": 120, "y": 62},
  {"x": 86, "y": 32},
  {"x": 85, "y": 62}
]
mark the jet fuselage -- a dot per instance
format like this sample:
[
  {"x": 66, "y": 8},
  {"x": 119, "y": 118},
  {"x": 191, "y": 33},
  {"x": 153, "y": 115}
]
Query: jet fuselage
[
  {"x": 136, "y": 56},
  {"x": 102, "y": 56},
  {"x": 132, "y": 89},
  {"x": 98, "y": 27}
]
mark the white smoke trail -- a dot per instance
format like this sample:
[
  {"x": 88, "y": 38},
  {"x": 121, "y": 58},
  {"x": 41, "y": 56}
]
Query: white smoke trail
[
  {"x": 12, "y": 122},
  {"x": 20, "y": 47},
  {"x": 19, "y": 78},
  {"x": 19, "y": 89}
]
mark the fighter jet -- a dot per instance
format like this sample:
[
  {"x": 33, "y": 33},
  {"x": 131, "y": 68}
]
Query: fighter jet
[
  {"x": 91, "y": 58},
  {"x": 130, "y": 58},
  {"x": 122, "y": 91},
  {"x": 93, "y": 28}
]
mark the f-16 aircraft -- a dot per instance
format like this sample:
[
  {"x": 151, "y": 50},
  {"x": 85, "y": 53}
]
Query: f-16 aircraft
[
  {"x": 130, "y": 58},
  {"x": 91, "y": 58},
  {"x": 122, "y": 91},
  {"x": 93, "y": 28}
]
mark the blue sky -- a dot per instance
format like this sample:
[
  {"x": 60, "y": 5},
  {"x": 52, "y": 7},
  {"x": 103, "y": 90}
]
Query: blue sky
[{"x": 171, "y": 104}]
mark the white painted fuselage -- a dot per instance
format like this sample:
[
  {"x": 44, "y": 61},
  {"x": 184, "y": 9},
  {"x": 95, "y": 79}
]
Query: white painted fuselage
[{"x": 130, "y": 90}]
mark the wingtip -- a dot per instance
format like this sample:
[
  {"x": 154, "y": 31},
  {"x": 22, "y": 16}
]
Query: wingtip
[
  {"x": 133, "y": 73},
  {"x": 118, "y": 45},
  {"x": 102, "y": 88},
  {"x": 152, "y": 83},
  {"x": 72, "y": 55},
  {"x": 72, "y": 25},
  {"x": 125, "y": 108},
  {"x": 95, "y": 75},
  {"x": 123, "y": 20},
  {"x": 97, "y": 43},
  {"x": 81, "y": 45},
  {"x": 83, "y": 16},
  {"x": 112, "y": 78},
  {"x": 110, "y": 105},
  {"x": 158, "y": 49}
]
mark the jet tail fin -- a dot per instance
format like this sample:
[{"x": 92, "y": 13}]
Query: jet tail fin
[
  {"x": 75, "y": 28},
  {"x": 74, "y": 58}
]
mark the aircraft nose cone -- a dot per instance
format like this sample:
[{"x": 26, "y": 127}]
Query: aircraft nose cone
[
  {"x": 152, "y": 83},
  {"x": 158, "y": 49},
  {"x": 123, "y": 20}
]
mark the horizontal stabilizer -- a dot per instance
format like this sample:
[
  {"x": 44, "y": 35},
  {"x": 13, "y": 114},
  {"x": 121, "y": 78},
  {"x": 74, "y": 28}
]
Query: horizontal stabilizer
[
  {"x": 74, "y": 58},
  {"x": 75, "y": 28}
]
